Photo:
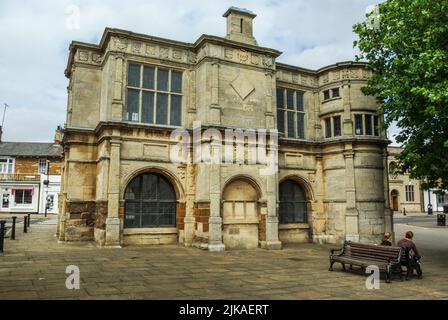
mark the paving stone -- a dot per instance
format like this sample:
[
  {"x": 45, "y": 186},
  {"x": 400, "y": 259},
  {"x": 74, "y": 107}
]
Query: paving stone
[{"x": 34, "y": 268}]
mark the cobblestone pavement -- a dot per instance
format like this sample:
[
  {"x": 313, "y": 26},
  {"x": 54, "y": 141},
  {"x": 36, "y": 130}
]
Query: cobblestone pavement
[{"x": 33, "y": 267}]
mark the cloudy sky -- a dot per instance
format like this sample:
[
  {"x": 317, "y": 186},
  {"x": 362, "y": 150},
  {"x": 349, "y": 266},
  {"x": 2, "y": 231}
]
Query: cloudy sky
[{"x": 35, "y": 36}]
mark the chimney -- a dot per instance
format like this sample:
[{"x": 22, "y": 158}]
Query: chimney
[
  {"x": 240, "y": 25},
  {"x": 58, "y": 135},
  {"x": 1, "y": 133}
]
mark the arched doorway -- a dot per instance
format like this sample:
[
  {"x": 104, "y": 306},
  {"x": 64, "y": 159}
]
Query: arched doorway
[
  {"x": 240, "y": 215},
  {"x": 150, "y": 202},
  {"x": 394, "y": 199},
  {"x": 293, "y": 203}
]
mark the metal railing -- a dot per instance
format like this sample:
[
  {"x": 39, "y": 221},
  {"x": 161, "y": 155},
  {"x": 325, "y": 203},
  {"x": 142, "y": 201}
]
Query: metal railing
[{"x": 19, "y": 177}]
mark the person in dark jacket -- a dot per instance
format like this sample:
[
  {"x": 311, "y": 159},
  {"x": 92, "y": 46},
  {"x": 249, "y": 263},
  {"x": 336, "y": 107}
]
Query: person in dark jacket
[
  {"x": 387, "y": 241},
  {"x": 415, "y": 256}
]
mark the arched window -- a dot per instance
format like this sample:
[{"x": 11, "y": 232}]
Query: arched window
[
  {"x": 293, "y": 203},
  {"x": 150, "y": 202}
]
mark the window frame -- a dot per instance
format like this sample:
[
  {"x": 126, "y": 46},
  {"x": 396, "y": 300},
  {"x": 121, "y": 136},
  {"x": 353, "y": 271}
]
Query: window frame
[
  {"x": 339, "y": 133},
  {"x": 9, "y": 165},
  {"x": 39, "y": 166},
  {"x": 329, "y": 94},
  {"x": 368, "y": 125},
  {"x": 328, "y": 129},
  {"x": 297, "y": 111},
  {"x": 361, "y": 122},
  {"x": 23, "y": 203},
  {"x": 158, "y": 201},
  {"x": 374, "y": 129},
  {"x": 296, "y": 201},
  {"x": 155, "y": 93},
  {"x": 410, "y": 193},
  {"x": 333, "y": 90}
]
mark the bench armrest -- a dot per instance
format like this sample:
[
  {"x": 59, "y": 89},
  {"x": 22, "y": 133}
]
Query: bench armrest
[{"x": 341, "y": 250}]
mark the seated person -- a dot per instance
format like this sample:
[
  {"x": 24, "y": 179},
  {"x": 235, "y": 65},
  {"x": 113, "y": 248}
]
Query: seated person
[
  {"x": 415, "y": 256},
  {"x": 387, "y": 241}
]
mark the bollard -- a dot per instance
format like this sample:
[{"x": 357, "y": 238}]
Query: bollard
[
  {"x": 13, "y": 228},
  {"x": 29, "y": 219},
  {"x": 25, "y": 224},
  {"x": 2, "y": 234}
]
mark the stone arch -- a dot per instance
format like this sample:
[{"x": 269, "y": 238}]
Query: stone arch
[
  {"x": 179, "y": 190},
  {"x": 240, "y": 212},
  {"x": 304, "y": 183},
  {"x": 297, "y": 231},
  {"x": 250, "y": 180}
]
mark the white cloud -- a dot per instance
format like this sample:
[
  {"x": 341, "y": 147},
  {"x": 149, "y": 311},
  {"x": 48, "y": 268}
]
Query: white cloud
[{"x": 34, "y": 42}]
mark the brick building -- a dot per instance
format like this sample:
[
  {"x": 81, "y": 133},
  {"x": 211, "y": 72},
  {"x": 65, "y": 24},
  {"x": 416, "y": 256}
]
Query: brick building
[{"x": 30, "y": 174}]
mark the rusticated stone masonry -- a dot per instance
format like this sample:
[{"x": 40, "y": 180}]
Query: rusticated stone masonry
[
  {"x": 262, "y": 228},
  {"x": 101, "y": 215}
]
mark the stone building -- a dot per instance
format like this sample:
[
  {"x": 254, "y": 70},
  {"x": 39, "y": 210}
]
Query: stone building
[
  {"x": 30, "y": 176},
  {"x": 128, "y": 94},
  {"x": 406, "y": 194}
]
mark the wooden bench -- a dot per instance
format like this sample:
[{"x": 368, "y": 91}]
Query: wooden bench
[{"x": 386, "y": 258}]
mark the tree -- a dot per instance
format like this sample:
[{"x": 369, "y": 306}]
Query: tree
[{"x": 407, "y": 50}]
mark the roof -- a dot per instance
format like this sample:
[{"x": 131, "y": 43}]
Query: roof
[
  {"x": 30, "y": 149},
  {"x": 240, "y": 11}
]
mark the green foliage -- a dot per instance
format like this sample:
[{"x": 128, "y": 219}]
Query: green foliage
[{"x": 408, "y": 54}]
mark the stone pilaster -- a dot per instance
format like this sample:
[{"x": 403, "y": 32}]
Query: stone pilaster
[
  {"x": 317, "y": 126},
  {"x": 319, "y": 216},
  {"x": 347, "y": 117},
  {"x": 215, "y": 221},
  {"x": 189, "y": 220},
  {"x": 270, "y": 102},
  {"x": 117, "y": 98},
  {"x": 272, "y": 241},
  {"x": 215, "y": 109},
  {"x": 113, "y": 221},
  {"x": 63, "y": 210},
  {"x": 351, "y": 213},
  {"x": 388, "y": 215}
]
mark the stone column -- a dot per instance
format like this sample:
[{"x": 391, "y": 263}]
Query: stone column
[
  {"x": 113, "y": 221},
  {"x": 215, "y": 219},
  {"x": 351, "y": 213},
  {"x": 388, "y": 215}
]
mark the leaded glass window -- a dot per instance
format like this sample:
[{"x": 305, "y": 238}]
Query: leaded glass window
[
  {"x": 293, "y": 203},
  {"x": 150, "y": 202},
  {"x": 291, "y": 113},
  {"x": 154, "y": 95}
]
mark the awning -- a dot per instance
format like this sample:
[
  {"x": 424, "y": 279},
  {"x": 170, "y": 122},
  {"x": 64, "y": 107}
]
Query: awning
[{"x": 13, "y": 190}]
